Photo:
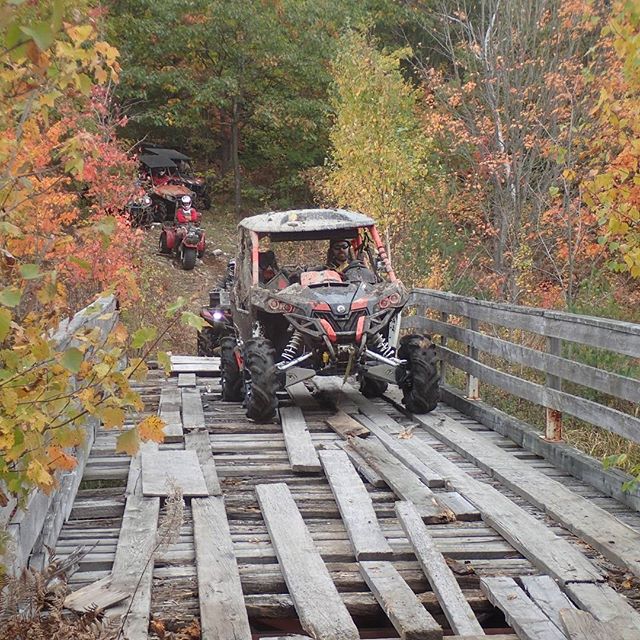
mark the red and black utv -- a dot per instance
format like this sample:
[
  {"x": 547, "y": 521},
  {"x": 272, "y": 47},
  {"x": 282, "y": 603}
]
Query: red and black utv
[{"x": 295, "y": 316}]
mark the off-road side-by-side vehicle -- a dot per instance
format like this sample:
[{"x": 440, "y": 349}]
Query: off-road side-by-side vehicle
[{"x": 294, "y": 320}]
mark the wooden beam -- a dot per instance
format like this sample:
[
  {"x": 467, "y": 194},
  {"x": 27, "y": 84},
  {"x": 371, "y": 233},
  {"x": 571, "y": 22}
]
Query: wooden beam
[
  {"x": 222, "y": 609},
  {"x": 364, "y": 469},
  {"x": 526, "y": 618},
  {"x": 345, "y": 426},
  {"x": 186, "y": 380},
  {"x": 444, "y": 584},
  {"x": 169, "y": 411},
  {"x": 192, "y": 411},
  {"x": 297, "y": 440},
  {"x": 580, "y": 625},
  {"x": 545, "y": 592},
  {"x": 317, "y": 601},
  {"x": 410, "y": 619},
  {"x": 355, "y": 507},
  {"x": 199, "y": 442},
  {"x": 163, "y": 469}
]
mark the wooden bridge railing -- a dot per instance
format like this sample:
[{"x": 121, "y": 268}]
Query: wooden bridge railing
[{"x": 534, "y": 354}]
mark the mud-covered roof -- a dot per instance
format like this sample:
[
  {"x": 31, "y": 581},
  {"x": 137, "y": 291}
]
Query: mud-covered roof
[{"x": 305, "y": 220}]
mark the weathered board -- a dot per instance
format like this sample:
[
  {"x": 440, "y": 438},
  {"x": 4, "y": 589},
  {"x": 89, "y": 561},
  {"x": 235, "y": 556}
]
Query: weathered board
[
  {"x": 161, "y": 470},
  {"x": 192, "y": 411},
  {"x": 580, "y": 625},
  {"x": 302, "y": 453},
  {"x": 526, "y": 618},
  {"x": 199, "y": 442},
  {"x": 186, "y": 380},
  {"x": 441, "y": 578},
  {"x": 169, "y": 411},
  {"x": 222, "y": 610},
  {"x": 345, "y": 426},
  {"x": 317, "y": 601},
  {"x": 410, "y": 619},
  {"x": 544, "y": 591},
  {"x": 355, "y": 507}
]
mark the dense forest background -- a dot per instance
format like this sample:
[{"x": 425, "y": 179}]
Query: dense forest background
[{"x": 495, "y": 142}]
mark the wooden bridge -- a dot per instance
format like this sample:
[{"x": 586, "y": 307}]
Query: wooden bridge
[{"x": 349, "y": 518}]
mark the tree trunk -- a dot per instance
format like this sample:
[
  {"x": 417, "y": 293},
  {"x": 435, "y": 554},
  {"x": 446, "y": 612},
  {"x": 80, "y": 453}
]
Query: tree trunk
[{"x": 234, "y": 156}]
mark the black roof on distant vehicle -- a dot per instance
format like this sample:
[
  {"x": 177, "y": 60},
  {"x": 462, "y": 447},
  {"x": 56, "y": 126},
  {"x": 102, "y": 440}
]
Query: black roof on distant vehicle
[
  {"x": 170, "y": 153},
  {"x": 299, "y": 221},
  {"x": 156, "y": 161}
]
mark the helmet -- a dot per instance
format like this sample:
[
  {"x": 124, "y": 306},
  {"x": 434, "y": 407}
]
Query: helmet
[
  {"x": 146, "y": 201},
  {"x": 185, "y": 201},
  {"x": 162, "y": 172}
]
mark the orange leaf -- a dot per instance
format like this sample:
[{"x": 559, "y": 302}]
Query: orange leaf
[
  {"x": 59, "y": 459},
  {"x": 152, "y": 428}
]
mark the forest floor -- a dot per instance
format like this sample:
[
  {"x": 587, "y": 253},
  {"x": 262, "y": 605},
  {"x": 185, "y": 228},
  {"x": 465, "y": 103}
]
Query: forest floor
[{"x": 162, "y": 279}]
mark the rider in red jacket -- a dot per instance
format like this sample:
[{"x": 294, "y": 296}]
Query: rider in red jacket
[{"x": 187, "y": 213}]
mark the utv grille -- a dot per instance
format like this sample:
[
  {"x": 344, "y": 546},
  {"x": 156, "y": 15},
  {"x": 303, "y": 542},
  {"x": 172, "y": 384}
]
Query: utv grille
[{"x": 341, "y": 325}]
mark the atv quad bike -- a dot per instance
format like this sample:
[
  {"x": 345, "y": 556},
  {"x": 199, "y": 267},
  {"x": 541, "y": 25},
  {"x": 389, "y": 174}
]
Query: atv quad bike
[
  {"x": 187, "y": 241},
  {"x": 218, "y": 317},
  {"x": 296, "y": 321}
]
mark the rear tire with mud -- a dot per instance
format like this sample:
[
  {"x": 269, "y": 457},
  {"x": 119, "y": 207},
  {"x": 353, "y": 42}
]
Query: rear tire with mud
[
  {"x": 419, "y": 378},
  {"x": 230, "y": 375},
  {"x": 372, "y": 388},
  {"x": 261, "y": 382}
]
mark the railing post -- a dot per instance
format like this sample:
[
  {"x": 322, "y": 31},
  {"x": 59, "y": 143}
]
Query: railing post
[
  {"x": 443, "y": 343},
  {"x": 473, "y": 387},
  {"x": 553, "y": 429}
]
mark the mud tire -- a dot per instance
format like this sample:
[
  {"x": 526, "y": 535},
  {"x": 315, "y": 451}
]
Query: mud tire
[
  {"x": 230, "y": 375},
  {"x": 208, "y": 342},
  {"x": 261, "y": 382},
  {"x": 419, "y": 379},
  {"x": 371, "y": 388},
  {"x": 162, "y": 245},
  {"x": 188, "y": 258}
]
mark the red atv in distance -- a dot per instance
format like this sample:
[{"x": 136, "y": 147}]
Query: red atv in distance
[
  {"x": 294, "y": 319},
  {"x": 186, "y": 241}
]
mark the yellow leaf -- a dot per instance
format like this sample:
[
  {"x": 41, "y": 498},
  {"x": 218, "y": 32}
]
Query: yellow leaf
[
  {"x": 112, "y": 417},
  {"x": 128, "y": 442},
  {"x": 152, "y": 428},
  {"x": 38, "y": 474}
]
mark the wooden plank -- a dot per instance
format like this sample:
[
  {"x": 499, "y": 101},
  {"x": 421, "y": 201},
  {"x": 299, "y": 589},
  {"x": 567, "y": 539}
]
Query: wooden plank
[
  {"x": 355, "y": 507},
  {"x": 580, "y": 625},
  {"x": 614, "y": 539},
  {"x": 186, "y": 380},
  {"x": 302, "y": 453},
  {"x": 364, "y": 469},
  {"x": 199, "y": 442},
  {"x": 345, "y": 426},
  {"x": 169, "y": 411},
  {"x": 528, "y": 535},
  {"x": 163, "y": 469},
  {"x": 607, "y": 606},
  {"x": 192, "y": 411},
  {"x": 612, "y": 420},
  {"x": 301, "y": 395},
  {"x": 317, "y": 601},
  {"x": 404, "y": 482},
  {"x": 545, "y": 592},
  {"x": 444, "y": 584},
  {"x": 410, "y": 619},
  {"x": 204, "y": 369},
  {"x": 222, "y": 609},
  {"x": 526, "y": 618},
  {"x": 97, "y": 594}
]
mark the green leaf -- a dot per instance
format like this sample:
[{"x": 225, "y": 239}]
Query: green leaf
[
  {"x": 83, "y": 264},
  {"x": 178, "y": 304},
  {"x": 10, "y": 297},
  {"x": 72, "y": 359},
  {"x": 30, "y": 271},
  {"x": 41, "y": 33},
  {"x": 6, "y": 228},
  {"x": 5, "y": 323},
  {"x": 84, "y": 83},
  {"x": 164, "y": 360},
  {"x": 128, "y": 442},
  {"x": 142, "y": 336},
  {"x": 189, "y": 319}
]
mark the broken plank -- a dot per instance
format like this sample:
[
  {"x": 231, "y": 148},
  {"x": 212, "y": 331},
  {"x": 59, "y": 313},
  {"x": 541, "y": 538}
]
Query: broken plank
[
  {"x": 410, "y": 619},
  {"x": 404, "y": 482},
  {"x": 186, "y": 380},
  {"x": 162, "y": 470},
  {"x": 356, "y": 508},
  {"x": 317, "y": 601},
  {"x": 346, "y": 426},
  {"x": 444, "y": 584},
  {"x": 192, "y": 411},
  {"x": 301, "y": 396},
  {"x": 222, "y": 610},
  {"x": 97, "y": 594},
  {"x": 363, "y": 467},
  {"x": 297, "y": 440},
  {"x": 544, "y": 591},
  {"x": 199, "y": 442},
  {"x": 526, "y": 618}
]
